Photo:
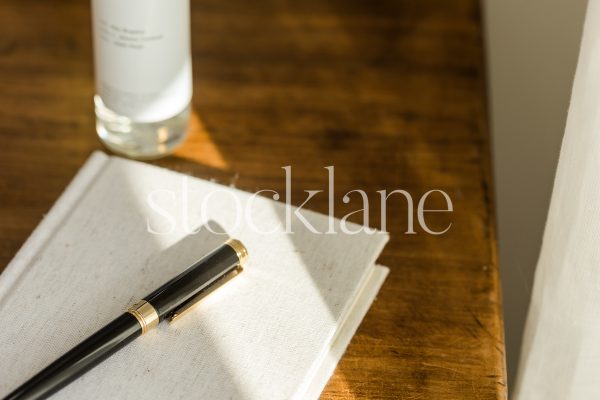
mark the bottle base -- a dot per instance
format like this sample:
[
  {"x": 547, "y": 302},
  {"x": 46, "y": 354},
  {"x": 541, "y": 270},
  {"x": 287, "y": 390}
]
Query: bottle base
[{"x": 140, "y": 140}]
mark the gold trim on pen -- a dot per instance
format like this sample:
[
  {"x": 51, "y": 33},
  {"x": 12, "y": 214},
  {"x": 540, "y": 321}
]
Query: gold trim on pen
[
  {"x": 239, "y": 249},
  {"x": 145, "y": 313},
  {"x": 194, "y": 301}
]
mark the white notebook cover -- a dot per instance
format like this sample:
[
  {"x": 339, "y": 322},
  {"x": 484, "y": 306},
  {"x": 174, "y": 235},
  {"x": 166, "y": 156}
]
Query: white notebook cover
[{"x": 275, "y": 332}]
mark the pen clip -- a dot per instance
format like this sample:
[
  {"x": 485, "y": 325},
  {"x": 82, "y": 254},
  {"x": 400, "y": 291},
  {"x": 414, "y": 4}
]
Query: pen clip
[{"x": 195, "y": 300}]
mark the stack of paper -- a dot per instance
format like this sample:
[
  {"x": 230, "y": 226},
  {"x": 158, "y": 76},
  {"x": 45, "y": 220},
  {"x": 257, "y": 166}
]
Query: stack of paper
[{"x": 122, "y": 228}]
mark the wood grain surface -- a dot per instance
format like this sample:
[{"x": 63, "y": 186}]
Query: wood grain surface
[{"x": 391, "y": 93}]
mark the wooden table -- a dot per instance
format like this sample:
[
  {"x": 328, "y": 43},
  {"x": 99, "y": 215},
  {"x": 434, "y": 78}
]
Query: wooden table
[{"x": 390, "y": 93}]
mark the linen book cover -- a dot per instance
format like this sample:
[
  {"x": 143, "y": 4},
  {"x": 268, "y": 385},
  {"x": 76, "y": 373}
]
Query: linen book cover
[{"x": 122, "y": 228}]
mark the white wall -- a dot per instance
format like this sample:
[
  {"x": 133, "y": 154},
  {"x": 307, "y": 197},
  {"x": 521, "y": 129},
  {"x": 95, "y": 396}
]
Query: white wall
[{"x": 532, "y": 48}]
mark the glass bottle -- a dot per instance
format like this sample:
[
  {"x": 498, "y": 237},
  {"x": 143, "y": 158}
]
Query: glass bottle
[{"x": 143, "y": 75}]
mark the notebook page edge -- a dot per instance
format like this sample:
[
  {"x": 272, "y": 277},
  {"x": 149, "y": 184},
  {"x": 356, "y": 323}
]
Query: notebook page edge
[
  {"x": 313, "y": 388},
  {"x": 350, "y": 306}
]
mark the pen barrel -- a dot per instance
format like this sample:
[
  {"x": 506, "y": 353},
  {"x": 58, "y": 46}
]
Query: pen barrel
[
  {"x": 196, "y": 278},
  {"x": 80, "y": 359},
  {"x": 167, "y": 301}
]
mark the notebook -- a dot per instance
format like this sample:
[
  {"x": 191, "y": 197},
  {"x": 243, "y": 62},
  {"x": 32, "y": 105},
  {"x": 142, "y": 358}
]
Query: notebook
[{"x": 122, "y": 228}]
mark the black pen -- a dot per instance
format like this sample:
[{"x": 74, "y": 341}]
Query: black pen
[{"x": 169, "y": 301}]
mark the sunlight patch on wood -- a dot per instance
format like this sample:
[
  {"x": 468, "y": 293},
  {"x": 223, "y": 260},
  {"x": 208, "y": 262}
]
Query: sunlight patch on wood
[{"x": 199, "y": 146}]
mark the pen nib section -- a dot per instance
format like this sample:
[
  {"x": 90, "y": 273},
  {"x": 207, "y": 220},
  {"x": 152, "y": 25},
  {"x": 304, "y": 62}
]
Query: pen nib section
[{"x": 195, "y": 300}]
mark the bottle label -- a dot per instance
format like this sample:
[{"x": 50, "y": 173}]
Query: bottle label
[{"x": 142, "y": 57}]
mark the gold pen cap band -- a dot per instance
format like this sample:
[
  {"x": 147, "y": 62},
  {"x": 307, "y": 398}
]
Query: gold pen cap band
[
  {"x": 145, "y": 314},
  {"x": 239, "y": 249}
]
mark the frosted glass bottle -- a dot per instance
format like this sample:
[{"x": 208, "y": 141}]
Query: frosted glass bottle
[{"x": 143, "y": 74}]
